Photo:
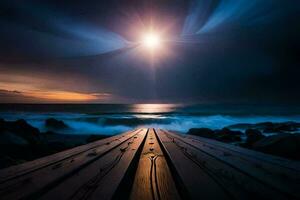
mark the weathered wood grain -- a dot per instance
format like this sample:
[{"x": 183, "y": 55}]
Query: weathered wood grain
[
  {"x": 101, "y": 178},
  {"x": 42, "y": 176},
  {"x": 28, "y": 167},
  {"x": 153, "y": 179},
  {"x": 279, "y": 176},
  {"x": 242, "y": 175},
  {"x": 197, "y": 181},
  {"x": 250, "y": 154},
  {"x": 153, "y": 164}
]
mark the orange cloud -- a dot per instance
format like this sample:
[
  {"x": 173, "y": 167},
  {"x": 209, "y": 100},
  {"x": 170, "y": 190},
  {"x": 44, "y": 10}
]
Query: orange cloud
[
  {"x": 67, "y": 96},
  {"x": 24, "y": 92}
]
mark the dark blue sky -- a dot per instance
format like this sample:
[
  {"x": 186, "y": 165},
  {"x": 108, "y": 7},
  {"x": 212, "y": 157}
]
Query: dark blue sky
[{"x": 214, "y": 51}]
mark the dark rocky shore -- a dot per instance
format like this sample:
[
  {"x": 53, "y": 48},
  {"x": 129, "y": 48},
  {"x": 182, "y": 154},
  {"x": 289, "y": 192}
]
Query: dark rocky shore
[
  {"x": 20, "y": 142},
  {"x": 280, "y": 139}
]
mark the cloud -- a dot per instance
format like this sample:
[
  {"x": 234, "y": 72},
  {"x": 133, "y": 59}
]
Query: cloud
[
  {"x": 7, "y": 96},
  {"x": 67, "y": 96},
  {"x": 15, "y": 88},
  {"x": 9, "y": 93},
  {"x": 42, "y": 31},
  {"x": 246, "y": 51}
]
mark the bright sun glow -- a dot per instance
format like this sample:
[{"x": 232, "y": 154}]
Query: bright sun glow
[{"x": 151, "y": 40}]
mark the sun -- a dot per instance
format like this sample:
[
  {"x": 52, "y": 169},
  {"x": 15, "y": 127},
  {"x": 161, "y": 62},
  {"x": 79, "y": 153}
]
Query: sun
[{"x": 151, "y": 40}]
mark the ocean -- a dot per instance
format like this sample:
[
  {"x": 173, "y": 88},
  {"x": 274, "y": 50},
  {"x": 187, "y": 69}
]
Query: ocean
[{"x": 110, "y": 119}]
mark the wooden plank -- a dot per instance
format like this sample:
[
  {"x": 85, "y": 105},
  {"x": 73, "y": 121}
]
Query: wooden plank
[
  {"x": 267, "y": 171},
  {"x": 101, "y": 178},
  {"x": 153, "y": 179},
  {"x": 162, "y": 165},
  {"x": 273, "y": 160},
  {"x": 38, "y": 179},
  {"x": 199, "y": 184},
  {"x": 236, "y": 173},
  {"x": 28, "y": 167}
]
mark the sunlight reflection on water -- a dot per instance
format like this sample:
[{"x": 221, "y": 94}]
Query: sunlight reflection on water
[
  {"x": 112, "y": 119},
  {"x": 153, "y": 108}
]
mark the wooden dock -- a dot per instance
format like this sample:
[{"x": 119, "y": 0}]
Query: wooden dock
[{"x": 153, "y": 164}]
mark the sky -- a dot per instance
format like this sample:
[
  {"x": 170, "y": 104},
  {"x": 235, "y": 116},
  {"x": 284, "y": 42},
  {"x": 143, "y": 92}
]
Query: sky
[{"x": 211, "y": 51}]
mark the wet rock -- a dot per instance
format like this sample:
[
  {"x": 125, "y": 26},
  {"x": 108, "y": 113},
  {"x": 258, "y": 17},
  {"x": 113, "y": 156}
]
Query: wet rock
[
  {"x": 282, "y": 127},
  {"x": 227, "y": 135},
  {"x": 240, "y": 126},
  {"x": 2, "y": 125},
  {"x": 7, "y": 138},
  {"x": 248, "y": 125},
  {"x": 50, "y": 133},
  {"x": 22, "y": 129},
  {"x": 253, "y": 135},
  {"x": 224, "y": 135},
  {"x": 202, "y": 132},
  {"x": 269, "y": 127},
  {"x": 284, "y": 145},
  {"x": 55, "y": 124},
  {"x": 20, "y": 142},
  {"x": 226, "y": 131},
  {"x": 263, "y": 125}
]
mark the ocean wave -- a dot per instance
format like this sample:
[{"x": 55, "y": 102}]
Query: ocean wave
[{"x": 114, "y": 124}]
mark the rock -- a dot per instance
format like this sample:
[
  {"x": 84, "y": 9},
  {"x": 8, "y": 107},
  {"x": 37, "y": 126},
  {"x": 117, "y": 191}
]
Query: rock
[
  {"x": 2, "y": 125},
  {"x": 19, "y": 142},
  {"x": 281, "y": 127},
  {"x": 28, "y": 132},
  {"x": 269, "y": 127},
  {"x": 262, "y": 125},
  {"x": 284, "y": 145},
  {"x": 202, "y": 132},
  {"x": 55, "y": 124},
  {"x": 240, "y": 126},
  {"x": 224, "y": 135},
  {"x": 50, "y": 133},
  {"x": 8, "y": 138},
  {"x": 225, "y": 131},
  {"x": 253, "y": 135},
  {"x": 21, "y": 128},
  {"x": 227, "y": 135}
]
